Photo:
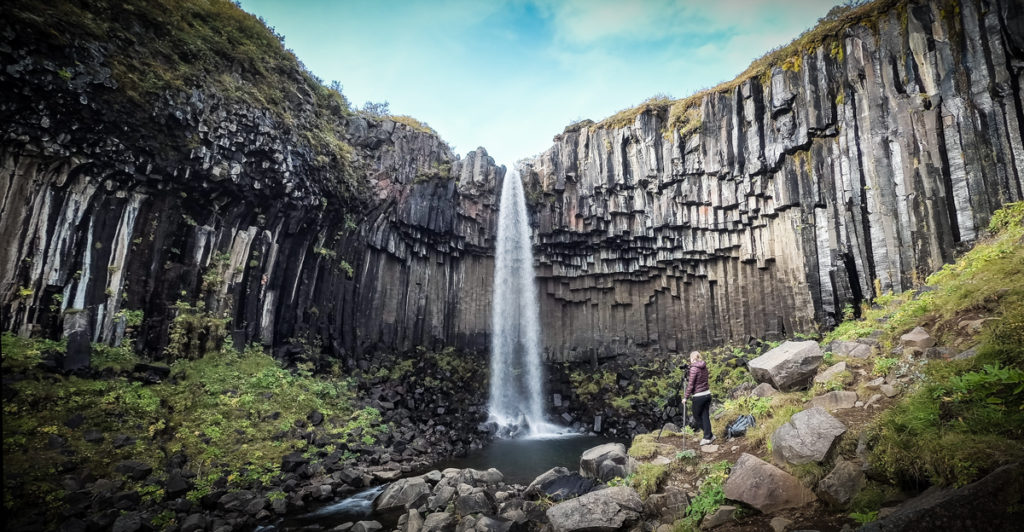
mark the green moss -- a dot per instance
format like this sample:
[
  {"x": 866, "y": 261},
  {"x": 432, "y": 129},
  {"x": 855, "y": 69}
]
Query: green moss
[{"x": 647, "y": 479}]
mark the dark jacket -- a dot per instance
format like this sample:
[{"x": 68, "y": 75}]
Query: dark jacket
[{"x": 697, "y": 380}]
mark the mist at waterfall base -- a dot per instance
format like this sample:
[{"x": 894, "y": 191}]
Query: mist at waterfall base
[{"x": 516, "y": 403}]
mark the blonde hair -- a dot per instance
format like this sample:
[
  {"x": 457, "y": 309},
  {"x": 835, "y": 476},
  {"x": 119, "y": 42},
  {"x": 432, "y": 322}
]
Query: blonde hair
[{"x": 695, "y": 356}]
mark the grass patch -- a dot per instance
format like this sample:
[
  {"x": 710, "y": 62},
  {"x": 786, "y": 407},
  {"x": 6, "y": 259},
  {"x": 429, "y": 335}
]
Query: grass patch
[
  {"x": 709, "y": 497},
  {"x": 647, "y": 479}
]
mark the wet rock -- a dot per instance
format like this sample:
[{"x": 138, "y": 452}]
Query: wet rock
[
  {"x": 236, "y": 501},
  {"x": 74, "y": 421},
  {"x": 79, "y": 342},
  {"x": 93, "y": 436},
  {"x": 474, "y": 503},
  {"x": 176, "y": 485},
  {"x": 367, "y": 526},
  {"x": 194, "y": 523},
  {"x": 789, "y": 366},
  {"x": 765, "y": 487},
  {"x": 609, "y": 509},
  {"x": 558, "y": 484},
  {"x": 402, "y": 495},
  {"x": 128, "y": 522},
  {"x": 807, "y": 437},
  {"x": 606, "y": 462}
]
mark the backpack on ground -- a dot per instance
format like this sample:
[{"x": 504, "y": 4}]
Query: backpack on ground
[{"x": 739, "y": 426}]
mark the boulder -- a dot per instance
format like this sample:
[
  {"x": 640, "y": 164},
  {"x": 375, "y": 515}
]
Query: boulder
[
  {"x": 889, "y": 390},
  {"x": 763, "y": 390},
  {"x": 127, "y": 522},
  {"x": 558, "y": 484},
  {"x": 439, "y": 522},
  {"x": 789, "y": 366},
  {"x": 615, "y": 508},
  {"x": 367, "y": 526},
  {"x": 917, "y": 338},
  {"x": 473, "y": 503},
  {"x": 840, "y": 486},
  {"x": 669, "y": 505},
  {"x": 835, "y": 400},
  {"x": 807, "y": 437},
  {"x": 606, "y": 462},
  {"x": 848, "y": 348},
  {"x": 764, "y": 486},
  {"x": 402, "y": 495},
  {"x": 413, "y": 521},
  {"x": 133, "y": 470},
  {"x": 780, "y": 524},
  {"x": 475, "y": 477},
  {"x": 983, "y": 505},
  {"x": 830, "y": 373}
]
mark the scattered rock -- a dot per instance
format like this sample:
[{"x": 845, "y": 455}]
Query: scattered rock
[
  {"x": 606, "y": 462},
  {"x": 917, "y": 338},
  {"x": 763, "y": 390},
  {"x": 840, "y": 486},
  {"x": 873, "y": 384},
  {"x": 722, "y": 515},
  {"x": 367, "y": 526},
  {"x": 128, "y": 522},
  {"x": 835, "y": 400},
  {"x": 474, "y": 503},
  {"x": 873, "y": 400},
  {"x": 780, "y": 524},
  {"x": 93, "y": 436},
  {"x": 889, "y": 390},
  {"x": 615, "y": 508},
  {"x": 669, "y": 505},
  {"x": 967, "y": 354},
  {"x": 764, "y": 486},
  {"x": 439, "y": 522},
  {"x": 670, "y": 427},
  {"x": 848, "y": 348},
  {"x": 830, "y": 373},
  {"x": 558, "y": 483},
  {"x": 133, "y": 470},
  {"x": 807, "y": 437},
  {"x": 709, "y": 449},
  {"x": 789, "y": 366}
]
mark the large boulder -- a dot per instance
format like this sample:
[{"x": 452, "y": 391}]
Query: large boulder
[
  {"x": 840, "y": 486},
  {"x": 764, "y": 486},
  {"x": 606, "y": 462},
  {"x": 788, "y": 367},
  {"x": 992, "y": 503},
  {"x": 402, "y": 495},
  {"x": 807, "y": 437},
  {"x": 609, "y": 509}
]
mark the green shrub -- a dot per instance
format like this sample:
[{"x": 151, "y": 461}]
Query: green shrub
[{"x": 710, "y": 496}]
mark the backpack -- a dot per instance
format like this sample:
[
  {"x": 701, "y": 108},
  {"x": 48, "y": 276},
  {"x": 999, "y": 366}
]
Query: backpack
[{"x": 739, "y": 426}]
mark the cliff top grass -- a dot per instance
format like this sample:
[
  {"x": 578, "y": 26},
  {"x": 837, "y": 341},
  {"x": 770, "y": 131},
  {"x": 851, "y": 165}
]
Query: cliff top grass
[{"x": 683, "y": 113}]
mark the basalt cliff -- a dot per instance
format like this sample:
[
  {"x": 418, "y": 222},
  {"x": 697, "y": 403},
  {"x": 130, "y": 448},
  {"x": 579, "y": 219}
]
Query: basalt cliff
[{"x": 853, "y": 167}]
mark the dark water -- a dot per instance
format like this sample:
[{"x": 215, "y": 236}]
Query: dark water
[{"x": 522, "y": 460}]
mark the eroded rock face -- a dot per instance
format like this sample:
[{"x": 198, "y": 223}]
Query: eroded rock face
[
  {"x": 764, "y": 486},
  {"x": 781, "y": 201},
  {"x": 789, "y": 366},
  {"x": 807, "y": 437},
  {"x": 606, "y": 510}
]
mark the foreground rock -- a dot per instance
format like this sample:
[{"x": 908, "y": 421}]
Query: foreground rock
[
  {"x": 764, "y": 486},
  {"x": 605, "y": 510},
  {"x": 558, "y": 484},
  {"x": 790, "y": 366},
  {"x": 835, "y": 400},
  {"x": 606, "y": 462},
  {"x": 841, "y": 485},
  {"x": 995, "y": 501},
  {"x": 918, "y": 338},
  {"x": 807, "y": 437}
]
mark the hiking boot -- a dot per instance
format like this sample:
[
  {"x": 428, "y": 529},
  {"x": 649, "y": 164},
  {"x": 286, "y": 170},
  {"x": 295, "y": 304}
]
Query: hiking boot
[{"x": 707, "y": 441}]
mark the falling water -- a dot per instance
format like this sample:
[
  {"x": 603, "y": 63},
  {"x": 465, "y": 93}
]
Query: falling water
[{"x": 516, "y": 402}]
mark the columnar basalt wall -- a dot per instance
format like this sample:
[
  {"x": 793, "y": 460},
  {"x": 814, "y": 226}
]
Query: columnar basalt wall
[
  {"x": 106, "y": 208},
  {"x": 857, "y": 169}
]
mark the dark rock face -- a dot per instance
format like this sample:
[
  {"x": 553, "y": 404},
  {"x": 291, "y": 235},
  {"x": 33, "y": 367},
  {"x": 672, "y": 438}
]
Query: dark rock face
[
  {"x": 857, "y": 171},
  {"x": 869, "y": 162}
]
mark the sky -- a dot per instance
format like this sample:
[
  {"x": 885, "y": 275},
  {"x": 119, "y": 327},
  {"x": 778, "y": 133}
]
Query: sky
[{"x": 510, "y": 74}]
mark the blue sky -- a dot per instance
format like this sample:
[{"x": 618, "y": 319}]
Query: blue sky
[{"x": 509, "y": 75}]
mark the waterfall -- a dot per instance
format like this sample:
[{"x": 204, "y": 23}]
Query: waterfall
[{"x": 516, "y": 392}]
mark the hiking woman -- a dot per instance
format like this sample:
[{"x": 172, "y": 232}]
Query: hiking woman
[{"x": 697, "y": 387}]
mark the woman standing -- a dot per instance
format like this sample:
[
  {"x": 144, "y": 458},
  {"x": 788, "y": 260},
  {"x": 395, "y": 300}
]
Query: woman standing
[{"x": 697, "y": 387}]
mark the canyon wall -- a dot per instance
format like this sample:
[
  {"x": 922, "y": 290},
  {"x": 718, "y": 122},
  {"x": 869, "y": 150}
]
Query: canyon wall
[
  {"x": 197, "y": 204},
  {"x": 854, "y": 168}
]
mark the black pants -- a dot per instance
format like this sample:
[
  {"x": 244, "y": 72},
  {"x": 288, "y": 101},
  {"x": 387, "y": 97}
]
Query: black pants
[{"x": 702, "y": 413}]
